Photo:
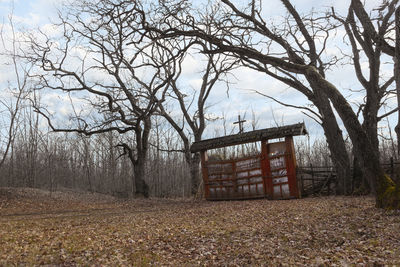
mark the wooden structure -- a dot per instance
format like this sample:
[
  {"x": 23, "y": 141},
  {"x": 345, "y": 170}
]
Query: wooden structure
[{"x": 270, "y": 174}]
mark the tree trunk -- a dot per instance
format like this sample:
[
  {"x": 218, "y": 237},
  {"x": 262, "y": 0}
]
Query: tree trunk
[
  {"x": 397, "y": 75},
  {"x": 141, "y": 187},
  {"x": 142, "y": 138},
  {"x": 339, "y": 156},
  {"x": 194, "y": 162},
  {"x": 335, "y": 142},
  {"x": 387, "y": 194},
  {"x": 370, "y": 126},
  {"x": 360, "y": 184}
]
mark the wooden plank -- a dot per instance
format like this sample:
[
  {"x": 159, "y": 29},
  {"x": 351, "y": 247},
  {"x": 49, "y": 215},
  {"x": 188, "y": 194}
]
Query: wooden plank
[
  {"x": 268, "y": 179},
  {"x": 220, "y": 162},
  {"x": 234, "y": 178},
  {"x": 237, "y": 197},
  {"x": 291, "y": 167},
  {"x": 204, "y": 171},
  {"x": 217, "y": 180},
  {"x": 249, "y": 170},
  {"x": 248, "y": 158},
  {"x": 227, "y": 172},
  {"x": 264, "y": 164},
  {"x": 248, "y": 137},
  {"x": 249, "y": 176}
]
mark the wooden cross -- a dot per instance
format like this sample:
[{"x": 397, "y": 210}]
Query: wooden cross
[{"x": 240, "y": 122}]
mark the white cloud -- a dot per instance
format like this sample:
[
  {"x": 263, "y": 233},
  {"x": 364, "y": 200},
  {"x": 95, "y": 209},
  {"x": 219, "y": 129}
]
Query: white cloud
[
  {"x": 195, "y": 83},
  {"x": 192, "y": 64},
  {"x": 29, "y": 14}
]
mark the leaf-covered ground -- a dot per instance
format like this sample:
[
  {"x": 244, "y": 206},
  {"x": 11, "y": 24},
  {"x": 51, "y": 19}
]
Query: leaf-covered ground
[{"x": 86, "y": 229}]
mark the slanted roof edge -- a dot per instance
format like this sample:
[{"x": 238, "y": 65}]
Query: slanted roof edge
[{"x": 248, "y": 137}]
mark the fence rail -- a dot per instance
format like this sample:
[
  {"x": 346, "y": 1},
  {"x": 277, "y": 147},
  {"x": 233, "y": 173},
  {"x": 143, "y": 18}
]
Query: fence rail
[
  {"x": 316, "y": 180},
  {"x": 321, "y": 180}
]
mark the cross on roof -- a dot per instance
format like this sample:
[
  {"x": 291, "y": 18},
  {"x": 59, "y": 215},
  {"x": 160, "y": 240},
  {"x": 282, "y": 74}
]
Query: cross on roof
[{"x": 240, "y": 122}]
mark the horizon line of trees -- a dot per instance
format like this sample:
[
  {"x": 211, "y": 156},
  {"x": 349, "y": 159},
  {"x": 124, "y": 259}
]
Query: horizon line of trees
[
  {"x": 120, "y": 65},
  {"x": 40, "y": 158}
]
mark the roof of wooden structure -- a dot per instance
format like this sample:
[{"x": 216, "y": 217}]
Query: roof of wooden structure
[{"x": 248, "y": 137}]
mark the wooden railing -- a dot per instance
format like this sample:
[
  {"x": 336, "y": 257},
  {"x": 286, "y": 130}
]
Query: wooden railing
[{"x": 321, "y": 180}]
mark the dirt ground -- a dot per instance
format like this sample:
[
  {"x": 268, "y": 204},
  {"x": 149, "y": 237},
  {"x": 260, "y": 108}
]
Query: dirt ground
[{"x": 69, "y": 229}]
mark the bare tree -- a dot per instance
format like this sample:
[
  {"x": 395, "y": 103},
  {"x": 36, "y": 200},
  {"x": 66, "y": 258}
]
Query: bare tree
[
  {"x": 377, "y": 36},
  {"x": 376, "y": 87},
  {"x": 397, "y": 73},
  {"x": 193, "y": 108},
  {"x": 247, "y": 37},
  {"x": 291, "y": 55},
  {"x": 107, "y": 64},
  {"x": 17, "y": 91},
  {"x": 11, "y": 120}
]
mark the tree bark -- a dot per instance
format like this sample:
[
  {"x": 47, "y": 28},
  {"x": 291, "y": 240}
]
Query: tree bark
[
  {"x": 336, "y": 144},
  {"x": 387, "y": 193},
  {"x": 373, "y": 98},
  {"x": 397, "y": 74},
  {"x": 142, "y": 139},
  {"x": 141, "y": 187},
  {"x": 194, "y": 162}
]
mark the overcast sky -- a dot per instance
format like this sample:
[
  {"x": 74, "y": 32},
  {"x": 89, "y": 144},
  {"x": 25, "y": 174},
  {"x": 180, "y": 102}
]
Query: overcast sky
[{"x": 38, "y": 13}]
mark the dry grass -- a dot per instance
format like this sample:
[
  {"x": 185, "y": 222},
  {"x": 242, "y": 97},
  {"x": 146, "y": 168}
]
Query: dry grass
[{"x": 86, "y": 229}]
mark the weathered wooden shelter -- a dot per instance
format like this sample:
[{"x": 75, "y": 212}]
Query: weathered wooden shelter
[{"x": 270, "y": 174}]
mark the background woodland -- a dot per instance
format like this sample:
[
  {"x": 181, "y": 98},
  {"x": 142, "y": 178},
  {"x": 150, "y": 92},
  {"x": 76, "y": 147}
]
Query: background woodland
[{"x": 131, "y": 123}]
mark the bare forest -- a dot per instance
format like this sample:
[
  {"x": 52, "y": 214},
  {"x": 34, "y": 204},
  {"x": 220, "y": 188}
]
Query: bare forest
[
  {"x": 100, "y": 108},
  {"x": 101, "y": 105}
]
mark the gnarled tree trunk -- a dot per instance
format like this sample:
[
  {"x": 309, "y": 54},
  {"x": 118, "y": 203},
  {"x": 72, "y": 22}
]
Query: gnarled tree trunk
[
  {"x": 142, "y": 140},
  {"x": 336, "y": 145},
  {"x": 194, "y": 162},
  {"x": 141, "y": 187},
  {"x": 139, "y": 160},
  {"x": 386, "y": 191}
]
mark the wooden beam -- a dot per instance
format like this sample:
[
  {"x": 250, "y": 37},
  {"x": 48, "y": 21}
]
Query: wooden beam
[{"x": 248, "y": 137}]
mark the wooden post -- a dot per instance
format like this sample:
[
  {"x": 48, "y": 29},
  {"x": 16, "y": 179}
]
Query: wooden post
[
  {"x": 204, "y": 171},
  {"x": 264, "y": 163},
  {"x": 234, "y": 179},
  {"x": 268, "y": 187},
  {"x": 240, "y": 122},
  {"x": 291, "y": 167}
]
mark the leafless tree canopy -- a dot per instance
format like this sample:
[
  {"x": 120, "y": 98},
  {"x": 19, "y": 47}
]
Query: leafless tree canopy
[
  {"x": 119, "y": 64},
  {"x": 117, "y": 76}
]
